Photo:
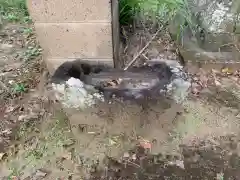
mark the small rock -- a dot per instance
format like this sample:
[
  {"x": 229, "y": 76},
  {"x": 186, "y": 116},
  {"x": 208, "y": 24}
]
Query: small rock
[
  {"x": 216, "y": 72},
  {"x": 14, "y": 178},
  {"x": 112, "y": 142},
  {"x": 134, "y": 157},
  {"x": 126, "y": 155},
  {"x": 217, "y": 83},
  {"x": 180, "y": 164},
  {"x": 75, "y": 82},
  {"x": 21, "y": 117},
  {"x": 28, "y": 117},
  {"x": 11, "y": 82},
  {"x": 40, "y": 174}
]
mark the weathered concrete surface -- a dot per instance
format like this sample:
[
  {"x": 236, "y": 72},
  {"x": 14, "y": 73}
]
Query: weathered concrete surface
[
  {"x": 70, "y": 11},
  {"x": 73, "y": 29},
  {"x": 75, "y": 40}
]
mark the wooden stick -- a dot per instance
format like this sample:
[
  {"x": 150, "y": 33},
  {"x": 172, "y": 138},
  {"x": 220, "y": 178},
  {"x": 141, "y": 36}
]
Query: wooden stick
[{"x": 143, "y": 49}]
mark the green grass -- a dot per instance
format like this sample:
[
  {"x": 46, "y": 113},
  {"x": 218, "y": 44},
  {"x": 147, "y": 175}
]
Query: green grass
[
  {"x": 157, "y": 11},
  {"x": 49, "y": 143},
  {"x": 127, "y": 10},
  {"x": 14, "y": 10},
  {"x": 161, "y": 10}
]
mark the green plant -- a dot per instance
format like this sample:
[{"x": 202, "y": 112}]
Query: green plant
[
  {"x": 127, "y": 11},
  {"x": 31, "y": 53},
  {"x": 28, "y": 31},
  {"x": 157, "y": 11},
  {"x": 19, "y": 88},
  {"x": 162, "y": 10},
  {"x": 14, "y": 10}
]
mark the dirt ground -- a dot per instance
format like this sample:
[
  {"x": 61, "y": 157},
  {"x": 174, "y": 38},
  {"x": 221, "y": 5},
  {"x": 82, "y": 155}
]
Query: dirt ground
[{"x": 198, "y": 139}]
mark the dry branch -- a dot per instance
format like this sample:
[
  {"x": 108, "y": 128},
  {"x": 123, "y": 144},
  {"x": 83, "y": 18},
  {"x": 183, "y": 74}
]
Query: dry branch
[{"x": 143, "y": 49}]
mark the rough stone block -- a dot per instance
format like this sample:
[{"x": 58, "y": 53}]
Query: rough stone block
[
  {"x": 75, "y": 40},
  {"x": 70, "y": 11}
]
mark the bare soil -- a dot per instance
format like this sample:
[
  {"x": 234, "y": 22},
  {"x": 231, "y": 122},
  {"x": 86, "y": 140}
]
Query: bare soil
[
  {"x": 21, "y": 70},
  {"x": 198, "y": 139}
]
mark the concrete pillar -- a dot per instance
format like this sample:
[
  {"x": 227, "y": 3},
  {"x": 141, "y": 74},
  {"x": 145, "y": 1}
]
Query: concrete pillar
[{"x": 69, "y": 29}]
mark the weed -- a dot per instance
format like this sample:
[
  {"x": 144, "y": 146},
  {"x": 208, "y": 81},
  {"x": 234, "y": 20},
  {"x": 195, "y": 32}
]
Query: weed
[
  {"x": 31, "y": 53},
  {"x": 15, "y": 173},
  {"x": 14, "y": 10},
  {"x": 18, "y": 88},
  {"x": 127, "y": 10},
  {"x": 28, "y": 31},
  {"x": 220, "y": 176},
  {"x": 157, "y": 11},
  {"x": 48, "y": 144}
]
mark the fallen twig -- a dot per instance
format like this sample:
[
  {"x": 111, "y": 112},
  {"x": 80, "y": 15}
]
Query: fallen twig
[
  {"x": 145, "y": 57},
  {"x": 130, "y": 162},
  {"x": 143, "y": 49}
]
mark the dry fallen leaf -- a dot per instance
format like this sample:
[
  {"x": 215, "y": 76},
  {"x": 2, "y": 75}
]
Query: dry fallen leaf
[
  {"x": 112, "y": 142},
  {"x": 145, "y": 144},
  {"x": 40, "y": 174},
  {"x": 217, "y": 83},
  {"x": 195, "y": 88},
  {"x": 114, "y": 82},
  {"x": 111, "y": 83},
  {"x": 14, "y": 178},
  {"x": 67, "y": 156},
  {"x": 6, "y": 132},
  {"x": 11, "y": 108},
  {"x": 227, "y": 71}
]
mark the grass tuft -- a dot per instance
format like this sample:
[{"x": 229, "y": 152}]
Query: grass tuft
[
  {"x": 14, "y": 10},
  {"x": 157, "y": 11}
]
